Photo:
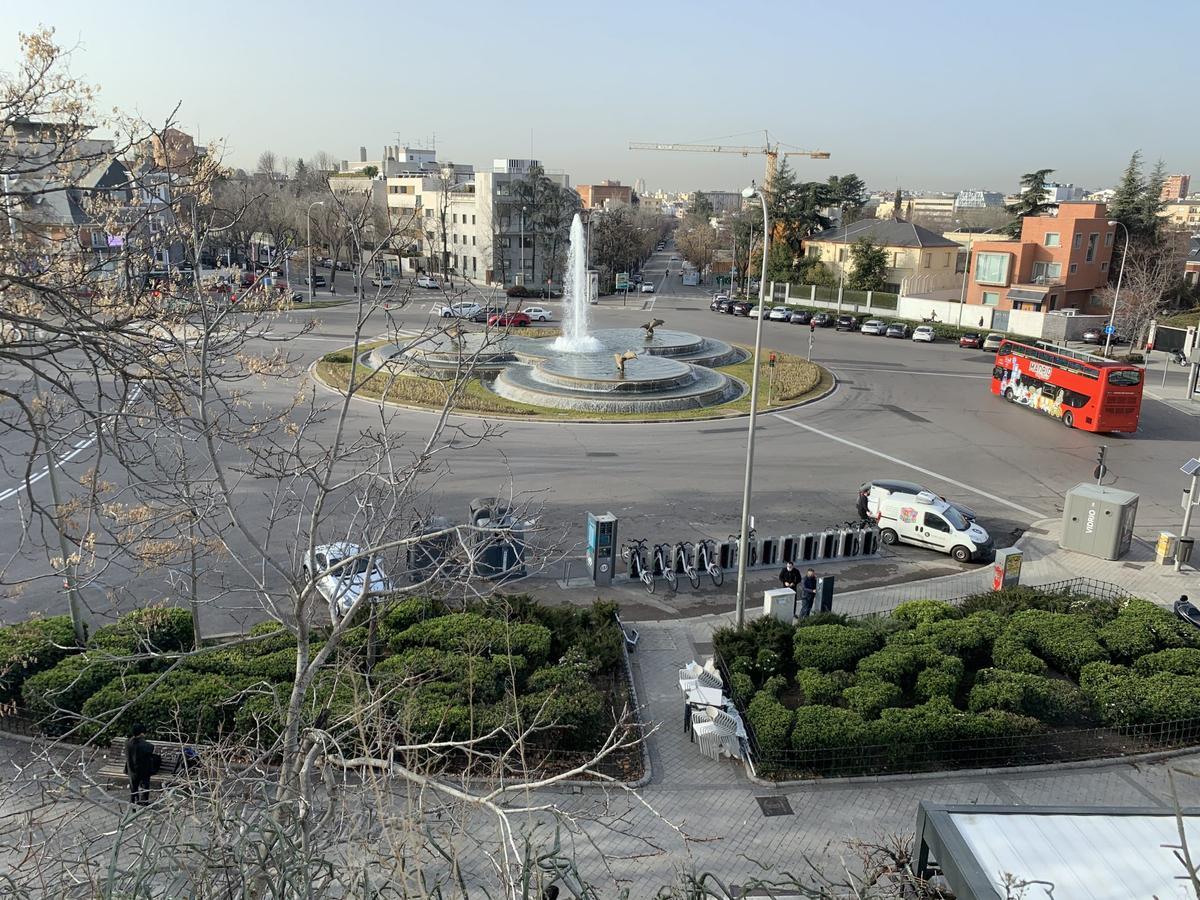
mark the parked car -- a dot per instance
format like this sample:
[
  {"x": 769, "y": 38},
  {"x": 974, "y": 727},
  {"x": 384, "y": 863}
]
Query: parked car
[
  {"x": 725, "y": 305},
  {"x": 381, "y": 281},
  {"x": 756, "y": 310},
  {"x": 509, "y": 319},
  {"x": 873, "y": 326},
  {"x": 924, "y": 333},
  {"x": 823, "y": 320},
  {"x": 325, "y": 262},
  {"x": 780, "y": 314},
  {"x": 928, "y": 521},
  {"x": 427, "y": 282},
  {"x": 993, "y": 341},
  {"x": 316, "y": 280},
  {"x": 1097, "y": 336},
  {"x": 538, "y": 313},
  {"x": 716, "y": 300},
  {"x": 647, "y": 288},
  {"x": 870, "y": 494},
  {"x": 545, "y": 293},
  {"x": 741, "y": 307},
  {"x": 488, "y": 311},
  {"x": 464, "y": 310},
  {"x": 801, "y": 317},
  {"x": 971, "y": 340},
  {"x": 343, "y": 266},
  {"x": 897, "y": 330},
  {"x": 341, "y": 578},
  {"x": 847, "y": 323}
]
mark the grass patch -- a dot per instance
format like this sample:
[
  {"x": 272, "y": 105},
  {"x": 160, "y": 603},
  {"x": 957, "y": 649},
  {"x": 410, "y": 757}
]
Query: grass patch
[{"x": 1183, "y": 319}]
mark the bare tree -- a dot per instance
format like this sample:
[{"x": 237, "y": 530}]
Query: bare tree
[
  {"x": 268, "y": 165},
  {"x": 1152, "y": 271}
]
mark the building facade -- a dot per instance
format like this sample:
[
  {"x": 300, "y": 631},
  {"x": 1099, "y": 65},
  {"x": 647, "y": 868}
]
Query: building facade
[
  {"x": 1182, "y": 214},
  {"x": 978, "y": 200},
  {"x": 597, "y": 196},
  {"x": 918, "y": 259},
  {"x": 1060, "y": 262},
  {"x": 1176, "y": 187}
]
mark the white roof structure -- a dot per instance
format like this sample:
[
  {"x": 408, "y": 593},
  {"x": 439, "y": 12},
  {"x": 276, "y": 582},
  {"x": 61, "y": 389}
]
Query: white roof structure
[{"x": 1065, "y": 853}]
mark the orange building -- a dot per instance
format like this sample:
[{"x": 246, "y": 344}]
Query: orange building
[
  {"x": 1060, "y": 261},
  {"x": 594, "y": 196}
]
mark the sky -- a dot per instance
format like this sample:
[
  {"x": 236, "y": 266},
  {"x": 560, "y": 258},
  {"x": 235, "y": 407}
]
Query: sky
[{"x": 922, "y": 95}]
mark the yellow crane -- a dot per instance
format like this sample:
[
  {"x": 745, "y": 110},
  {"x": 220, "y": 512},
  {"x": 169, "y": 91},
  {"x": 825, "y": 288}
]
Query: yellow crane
[{"x": 770, "y": 150}]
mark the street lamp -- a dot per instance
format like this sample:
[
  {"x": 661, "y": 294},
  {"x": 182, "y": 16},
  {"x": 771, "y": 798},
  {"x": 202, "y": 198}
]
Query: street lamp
[
  {"x": 522, "y": 244},
  {"x": 311, "y": 266},
  {"x": 743, "y": 534},
  {"x": 1108, "y": 332},
  {"x": 962, "y": 297}
]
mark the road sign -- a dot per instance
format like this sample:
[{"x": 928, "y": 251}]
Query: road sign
[
  {"x": 622, "y": 281},
  {"x": 1110, "y": 329}
]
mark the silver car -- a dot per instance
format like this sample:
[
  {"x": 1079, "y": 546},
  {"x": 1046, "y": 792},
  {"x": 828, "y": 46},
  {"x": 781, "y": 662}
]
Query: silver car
[
  {"x": 780, "y": 314},
  {"x": 873, "y": 326},
  {"x": 342, "y": 575}
]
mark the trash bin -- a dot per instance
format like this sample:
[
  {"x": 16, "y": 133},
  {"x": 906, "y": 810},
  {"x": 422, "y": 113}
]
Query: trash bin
[{"x": 1185, "y": 550}]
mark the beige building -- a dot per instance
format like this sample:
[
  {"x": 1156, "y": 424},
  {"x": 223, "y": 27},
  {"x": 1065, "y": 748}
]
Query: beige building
[
  {"x": 1183, "y": 214},
  {"x": 920, "y": 260}
]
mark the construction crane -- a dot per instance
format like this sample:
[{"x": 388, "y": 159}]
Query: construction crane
[{"x": 770, "y": 150}]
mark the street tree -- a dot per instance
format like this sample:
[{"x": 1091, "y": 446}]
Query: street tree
[
  {"x": 850, "y": 193},
  {"x": 702, "y": 206},
  {"x": 268, "y": 165},
  {"x": 1031, "y": 202},
  {"x": 1151, "y": 281},
  {"x": 870, "y": 265}
]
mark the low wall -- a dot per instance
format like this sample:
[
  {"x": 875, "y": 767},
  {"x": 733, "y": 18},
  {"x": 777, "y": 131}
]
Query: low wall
[{"x": 1070, "y": 328}]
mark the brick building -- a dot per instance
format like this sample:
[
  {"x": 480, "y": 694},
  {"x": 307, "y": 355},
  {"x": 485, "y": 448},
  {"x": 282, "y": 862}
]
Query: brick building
[
  {"x": 1176, "y": 187},
  {"x": 595, "y": 196},
  {"x": 1060, "y": 261}
]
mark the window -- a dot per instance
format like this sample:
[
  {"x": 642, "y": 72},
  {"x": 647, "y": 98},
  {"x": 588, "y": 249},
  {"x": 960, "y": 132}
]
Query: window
[
  {"x": 1108, "y": 238},
  {"x": 454, "y": 218},
  {"x": 992, "y": 268},
  {"x": 1053, "y": 239},
  {"x": 1125, "y": 377},
  {"x": 936, "y": 523},
  {"x": 454, "y": 238},
  {"x": 841, "y": 254},
  {"x": 814, "y": 252},
  {"x": 1046, "y": 272},
  {"x": 925, "y": 256},
  {"x": 472, "y": 219},
  {"x": 472, "y": 237},
  {"x": 1074, "y": 268},
  {"x": 1093, "y": 241},
  {"x": 991, "y": 298},
  {"x": 1078, "y": 240},
  {"x": 1104, "y": 266},
  {"x": 428, "y": 213},
  {"x": 946, "y": 264}
]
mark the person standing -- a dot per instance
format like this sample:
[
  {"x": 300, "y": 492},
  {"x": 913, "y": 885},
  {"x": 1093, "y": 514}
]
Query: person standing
[
  {"x": 789, "y": 577},
  {"x": 808, "y": 592},
  {"x": 139, "y": 765}
]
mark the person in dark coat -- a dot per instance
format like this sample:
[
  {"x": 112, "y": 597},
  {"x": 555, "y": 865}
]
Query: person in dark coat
[
  {"x": 808, "y": 592},
  {"x": 789, "y": 576},
  {"x": 139, "y": 765}
]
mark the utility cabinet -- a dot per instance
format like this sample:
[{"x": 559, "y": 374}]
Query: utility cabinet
[{"x": 1098, "y": 521}]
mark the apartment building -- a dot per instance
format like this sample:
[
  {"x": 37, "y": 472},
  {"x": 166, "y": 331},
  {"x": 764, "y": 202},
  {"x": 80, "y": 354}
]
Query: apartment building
[
  {"x": 1060, "y": 261},
  {"x": 597, "y": 196},
  {"x": 1182, "y": 214},
  {"x": 913, "y": 253},
  {"x": 1176, "y": 187},
  {"x": 978, "y": 200}
]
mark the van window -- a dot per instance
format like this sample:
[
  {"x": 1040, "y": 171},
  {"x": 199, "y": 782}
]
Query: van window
[{"x": 936, "y": 522}]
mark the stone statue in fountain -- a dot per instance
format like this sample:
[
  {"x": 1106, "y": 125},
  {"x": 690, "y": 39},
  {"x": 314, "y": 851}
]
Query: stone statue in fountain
[
  {"x": 650, "y": 326},
  {"x": 621, "y": 358}
]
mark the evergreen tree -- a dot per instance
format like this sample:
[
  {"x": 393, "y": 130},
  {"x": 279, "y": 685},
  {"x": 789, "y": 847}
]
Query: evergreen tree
[
  {"x": 301, "y": 177},
  {"x": 848, "y": 191},
  {"x": 1126, "y": 204},
  {"x": 702, "y": 206},
  {"x": 870, "y": 266},
  {"x": 1150, "y": 223},
  {"x": 1032, "y": 201}
]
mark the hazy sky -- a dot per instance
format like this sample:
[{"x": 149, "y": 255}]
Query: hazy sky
[{"x": 921, "y": 95}]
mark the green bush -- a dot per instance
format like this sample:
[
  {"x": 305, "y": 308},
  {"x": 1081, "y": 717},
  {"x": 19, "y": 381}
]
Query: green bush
[
  {"x": 1122, "y": 697},
  {"x": 970, "y": 639},
  {"x": 408, "y": 612},
  {"x": 1066, "y": 641},
  {"x": 869, "y": 696},
  {"x": 472, "y": 633},
  {"x": 774, "y": 686},
  {"x": 333, "y": 701},
  {"x": 30, "y": 647},
  {"x": 563, "y": 698},
  {"x": 917, "y": 612},
  {"x": 338, "y": 357},
  {"x": 764, "y": 633},
  {"x": 909, "y": 732},
  {"x": 821, "y": 688},
  {"x": 772, "y": 723},
  {"x": 1013, "y": 600},
  {"x": 1141, "y": 628},
  {"x": 478, "y": 678},
  {"x": 152, "y": 629},
  {"x": 1179, "y": 661},
  {"x": 193, "y": 706},
  {"x": 742, "y": 688},
  {"x": 832, "y": 647},
  {"x": 825, "y": 728},
  {"x": 940, "y": 679},
  {"x": 55, "y": 697},
  {"x": 1047, "y": 699}
]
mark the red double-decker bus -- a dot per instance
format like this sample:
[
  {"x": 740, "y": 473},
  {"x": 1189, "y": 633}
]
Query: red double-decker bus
[{"x": 1079, "y": 389}]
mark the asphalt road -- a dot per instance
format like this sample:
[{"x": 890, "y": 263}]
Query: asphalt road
[{"x": 921, "y": 412}]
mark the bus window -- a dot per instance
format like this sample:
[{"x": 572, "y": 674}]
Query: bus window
[{"x": 1125, "y": 377}]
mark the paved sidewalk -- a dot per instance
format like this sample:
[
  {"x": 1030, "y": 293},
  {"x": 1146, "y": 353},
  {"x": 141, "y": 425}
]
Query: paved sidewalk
[{"x": 1169, "y": 385}]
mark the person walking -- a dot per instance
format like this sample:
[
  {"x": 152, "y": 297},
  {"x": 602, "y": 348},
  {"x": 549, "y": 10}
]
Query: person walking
[
  {"x": 139, "y": 765},
  {"x": 808, "y": 592}
]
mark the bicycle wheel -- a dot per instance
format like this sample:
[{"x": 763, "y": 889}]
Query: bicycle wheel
[
  {"x": 693, "y": 577},
  {"x": 672, "y": 579},
  {"x": 718, "y": 575},
  {"x": 648, "y": 580}
]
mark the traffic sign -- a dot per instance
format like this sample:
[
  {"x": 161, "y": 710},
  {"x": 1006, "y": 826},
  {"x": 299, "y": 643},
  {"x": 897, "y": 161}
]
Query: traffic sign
[
  {"x": 1110, "y": 329},
  {"x": 622, "y": 281}
]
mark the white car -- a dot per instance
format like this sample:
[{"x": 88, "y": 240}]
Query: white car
[
  {"x": 874, "y": 326},
  {"x": 458, "y": 310},
  {"x": 928, "y": 521},
  {"x": 647, "y": 288},
  {"x": 538, "y": 313},
  {"x": 872, "y": 493},
  {"x": 756, "y": 311},
  {"x": 993, "y": 341},
  {"x": 924, "y": 333},
  {"x": 426, "y": 282},
  {"x": 343, "y": 583},
  {"x": 780, "y": 314},
  {"x": 381, "y": 281}
]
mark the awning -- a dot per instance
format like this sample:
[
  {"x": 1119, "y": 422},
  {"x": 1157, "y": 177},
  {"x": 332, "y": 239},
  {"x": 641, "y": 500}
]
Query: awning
[{"x": 1025, "y": 295}]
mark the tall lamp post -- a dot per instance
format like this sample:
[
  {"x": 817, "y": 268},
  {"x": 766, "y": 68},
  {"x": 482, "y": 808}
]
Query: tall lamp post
[
  {"x": 962, "y": 297},
  {"x": 743, "y": 534},
  {"x": 311, "y": 266},
  {"x": 522, "y": 244},
  {"x": 1108, "y": 332}
]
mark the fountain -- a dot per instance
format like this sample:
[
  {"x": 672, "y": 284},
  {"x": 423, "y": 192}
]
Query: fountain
[
  {"x": 575, "y": 332},
  {"x": 618, "y": 370}
]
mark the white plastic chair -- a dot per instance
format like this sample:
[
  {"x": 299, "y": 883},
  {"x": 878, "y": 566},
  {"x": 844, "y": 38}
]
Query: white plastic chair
[
  {"x": 707, "y": 736},
  {"x": 688, "y": 675}
]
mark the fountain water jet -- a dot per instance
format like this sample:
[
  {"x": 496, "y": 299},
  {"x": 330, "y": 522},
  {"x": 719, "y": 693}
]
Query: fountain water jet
[{"x": 575, "y": 333}]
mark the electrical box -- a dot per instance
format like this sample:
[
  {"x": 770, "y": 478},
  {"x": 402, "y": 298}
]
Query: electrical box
[
  {"x": 1164, "y": 550},
  {"x": 824, "y": 601},
  {"x": 601, "y": 546},
  {"x": 1098, "y": 521},
  {"x": 780, "y": 604}
]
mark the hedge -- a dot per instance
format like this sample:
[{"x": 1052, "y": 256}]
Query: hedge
[
  {"x": 832, "y": 647},
  {"x": 30, "y": 647},
  {"x": 152, "y": 629},
  {"x": 471, "y": 632},
  {"x": 1141, "y": 628},
  {"x": 477, "y": 678},
  {"x": 904, "y": 662},
  {"x": 192, "y": 706},
  {"x": 869, "y": 696},
  {"x": 826, "y": 728},
  {"x": 333, "y": 701},
  {"x": 55, "y": 697},
  {"x": 1180, "y": 661},
  {"x": 1123, "y": 697},
  {"x": 821, "y": 688},
  {"x": 918, "y": 612},
  {"x": 563, "y": 698},
  {"x": 1035, "y": 637},
  {"x": 1048, "y": 699},
  {"x": 771, "y": 721},
  {"x": 970, "y": 638}
]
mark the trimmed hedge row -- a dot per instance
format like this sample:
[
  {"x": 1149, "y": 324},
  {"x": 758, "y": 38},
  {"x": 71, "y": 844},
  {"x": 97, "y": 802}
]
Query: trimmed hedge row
[{"x": 30, "y": 647}]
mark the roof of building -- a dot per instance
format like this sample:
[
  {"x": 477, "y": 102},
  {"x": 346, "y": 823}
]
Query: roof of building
[{"x": 885, "y": 233}]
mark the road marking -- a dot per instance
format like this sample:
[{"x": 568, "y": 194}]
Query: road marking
[
  {"x": 907, "y": 372},
  {"x": 900, "y": 462}
]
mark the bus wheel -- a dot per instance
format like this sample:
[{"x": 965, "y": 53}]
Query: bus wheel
[
  {"x": 1068, "y": 419},
  {"x": 1008, "y": 395},
  {"x": 888, "y": 536}
]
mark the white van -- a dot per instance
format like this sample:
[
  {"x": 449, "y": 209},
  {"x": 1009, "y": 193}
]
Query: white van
[{"x": 926, "y": 520}]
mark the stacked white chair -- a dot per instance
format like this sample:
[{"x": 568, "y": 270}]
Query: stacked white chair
[{"x": 707, "y": 736}]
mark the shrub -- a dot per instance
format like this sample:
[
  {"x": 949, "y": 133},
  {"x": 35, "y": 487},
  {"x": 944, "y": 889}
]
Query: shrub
[
  {"x": 902, "y": 659},
  {"x": 333, "y": 700},
  {"x": 1066, "y": 641},
  {"x": 1141, "y": 628},
  {"x": 473, "y": 677},
  {"x": 832, "y": 647},
  {"x": 1179, "y": 661},
  {"x": 152, "y": 629},
  {"x": 191, "y": 705},
  {"x": 1011, "y": 601},
  {"x": 917, "y": 612},
  {"x": 941, "y": 679},
  {"x": 472, "y": 633},
  {"x": 30, "y": 647},
  {"x": 564, "y": 698},
  {"x": 54, "y": 697},
  {"x": 764, "y": 633},
  {"x": 517, "y": 290},
  {"x": 868, "y": 697},
  {"x": 1122, "y": 697},
  {"x": 917, "y": 732},
  {"x": 825, "y": 728},
  {"x": 820, "y": 688},
  {"x": 1047, "y": 699},
  {"x": 970, "y": 639},
  {"x": 406, "y": 613},
  {"x": 774, "y": 686},
  {"x": 772, "y": 723},
  {"x": 338, "y": 357},
  {"x": 742, "y": 688}
]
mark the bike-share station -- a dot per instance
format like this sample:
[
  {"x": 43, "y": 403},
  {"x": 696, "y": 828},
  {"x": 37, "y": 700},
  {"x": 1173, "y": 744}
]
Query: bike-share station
[
  {"x": 694, "y": 560},
  {"x": 495, "y": 542}
]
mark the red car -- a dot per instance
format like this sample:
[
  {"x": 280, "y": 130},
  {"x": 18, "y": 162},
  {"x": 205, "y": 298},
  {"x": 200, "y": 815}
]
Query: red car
[
  {"x": 507, "y": 319},
  {"x": 974, "y": 341}
]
